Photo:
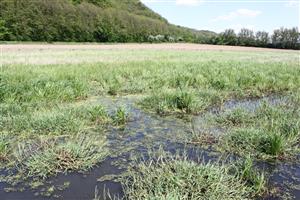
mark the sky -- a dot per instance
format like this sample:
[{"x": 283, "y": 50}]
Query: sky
[{"x": 218, "y": 15}]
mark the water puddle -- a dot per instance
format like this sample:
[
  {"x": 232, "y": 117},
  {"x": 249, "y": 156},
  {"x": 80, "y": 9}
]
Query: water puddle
[{"x": 147, "y": 131}]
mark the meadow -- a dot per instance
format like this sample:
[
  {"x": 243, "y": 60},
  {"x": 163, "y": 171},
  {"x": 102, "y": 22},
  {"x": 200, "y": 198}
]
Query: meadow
[{"x": 51, "y": 123}]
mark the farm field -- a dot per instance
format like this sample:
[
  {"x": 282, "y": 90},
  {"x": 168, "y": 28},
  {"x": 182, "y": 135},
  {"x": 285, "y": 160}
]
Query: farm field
[{"x": 161, "y": 121}]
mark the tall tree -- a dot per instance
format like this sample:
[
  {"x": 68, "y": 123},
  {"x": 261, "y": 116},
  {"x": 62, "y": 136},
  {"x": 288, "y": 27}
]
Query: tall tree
[
  {"x": 286, "y": 38},
  {"x": 246, "y": 37},
  {"x": 228, "y": 37},
  {"x": 262, "y": 38},
  {"x": 3, "y": 30}
]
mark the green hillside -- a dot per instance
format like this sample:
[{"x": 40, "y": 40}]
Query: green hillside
[{"x": 88, "y": 21}]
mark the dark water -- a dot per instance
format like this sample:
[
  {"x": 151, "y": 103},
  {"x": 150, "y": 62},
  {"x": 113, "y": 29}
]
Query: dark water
[{"x": 146, "y": 131}]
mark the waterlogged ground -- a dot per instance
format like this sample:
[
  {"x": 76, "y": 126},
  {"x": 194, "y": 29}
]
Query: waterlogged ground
[
  {"x": 75, "y": 122},
  {"x": 146, "y": 131}
]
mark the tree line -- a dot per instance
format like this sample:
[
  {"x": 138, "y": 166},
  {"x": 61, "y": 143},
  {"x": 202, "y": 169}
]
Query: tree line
[
  {"x": 283, "y": 38},
  {"x": 84, "y": 21},
  {"x": 117, "y": 21}
]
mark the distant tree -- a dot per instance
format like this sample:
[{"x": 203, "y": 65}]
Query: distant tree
[
  {"x": 3, "y": 30},
  {"x": 277, "y": 39},
  {"x": 228, "y": 37},
  {"x": 293, "y": 38},
  {"x": 262, "y": 39},
  {"x": 286, "y": 38},
  {"x": 86, "y": 21},
  {"x": 246, "y": 37},
  {"x": 115, "y": 21}
]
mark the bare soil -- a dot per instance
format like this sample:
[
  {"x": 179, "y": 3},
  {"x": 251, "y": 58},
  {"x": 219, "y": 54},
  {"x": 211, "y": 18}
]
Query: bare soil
[{"x": 95, "y": 46}]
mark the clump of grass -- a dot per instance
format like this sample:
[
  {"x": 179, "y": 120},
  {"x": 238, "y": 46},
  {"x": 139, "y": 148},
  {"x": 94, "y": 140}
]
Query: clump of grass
[
  {"x": 113, "y": 89},
  {"x": 181, "y": 101},
  {"x": 274, "y": 145},
  {"x": 4, "y": 147},
  {"x": 165, "y": 103},
  {"x": 246, "y": 171},
  {"x": 236, "y": 117},
  {"x": 40, "y": 88},
  {"x": 58, "y": 121},
  {"x": 12, "y": 109},
  {"x": 162, "y": 108},
  {"x": 185, "y": 101},
  {"x": 178, "y": 178},
  {"x": 271, "y": 131},
  {"x": 120, "y": 117},
  {"x": 98, "y": 114},
  {"x": 81, "y": 152},
  {"x": 256, "y": 142},
  {"x": 55, "y": 123}
]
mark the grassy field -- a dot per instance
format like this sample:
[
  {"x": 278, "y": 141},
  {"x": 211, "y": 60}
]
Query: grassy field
[{"x": 47, "y": 129}]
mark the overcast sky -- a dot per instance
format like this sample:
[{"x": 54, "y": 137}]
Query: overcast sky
[{"x": 222, "y": 14}]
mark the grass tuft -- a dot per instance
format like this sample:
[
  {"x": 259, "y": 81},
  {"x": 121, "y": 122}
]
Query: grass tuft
[
  {"x": 120, "y": 117},
  {"x": 81, "y": 152},
  {"x": 178, "y": 178},
  {"x": 236, "y": 117},
  {"x": 246, "y": 171},
  {"x": 4, "y": 147},
  {"x": 269, "y": 132}
]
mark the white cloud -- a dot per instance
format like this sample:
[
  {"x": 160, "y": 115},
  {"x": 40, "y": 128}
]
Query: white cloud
[
  {"x": 291, "y": 4},
  {"x": 247, "y": 12},
  {"x": 238, "y": 13},
  {"x": 189, "y": 2}
]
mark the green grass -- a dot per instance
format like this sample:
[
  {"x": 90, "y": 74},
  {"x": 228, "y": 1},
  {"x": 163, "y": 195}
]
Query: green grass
[
  {"x": 78, "y": 153},
  {"x": 45, "y": 129},
  {"x": 58, "y": 121},
  {"x": 269, "y": 132},
  {"x": 177, "y": 178},
  {"x": 120, "y": 117},
  {"x": 40, "y": 142},
  {"x": 246, "y": 171},
  {"x": 4, "y": 147},
  {"x": 181, "y": 101},
  {"x": 131, "y": 72},
  {"x": 20, "y": 88}
]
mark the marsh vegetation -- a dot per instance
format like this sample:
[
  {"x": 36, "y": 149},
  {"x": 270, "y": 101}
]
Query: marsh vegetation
[{"x": 65, "y": 117}]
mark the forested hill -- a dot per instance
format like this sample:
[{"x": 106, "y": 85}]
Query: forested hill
[{"x": 88, "y": 21}]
